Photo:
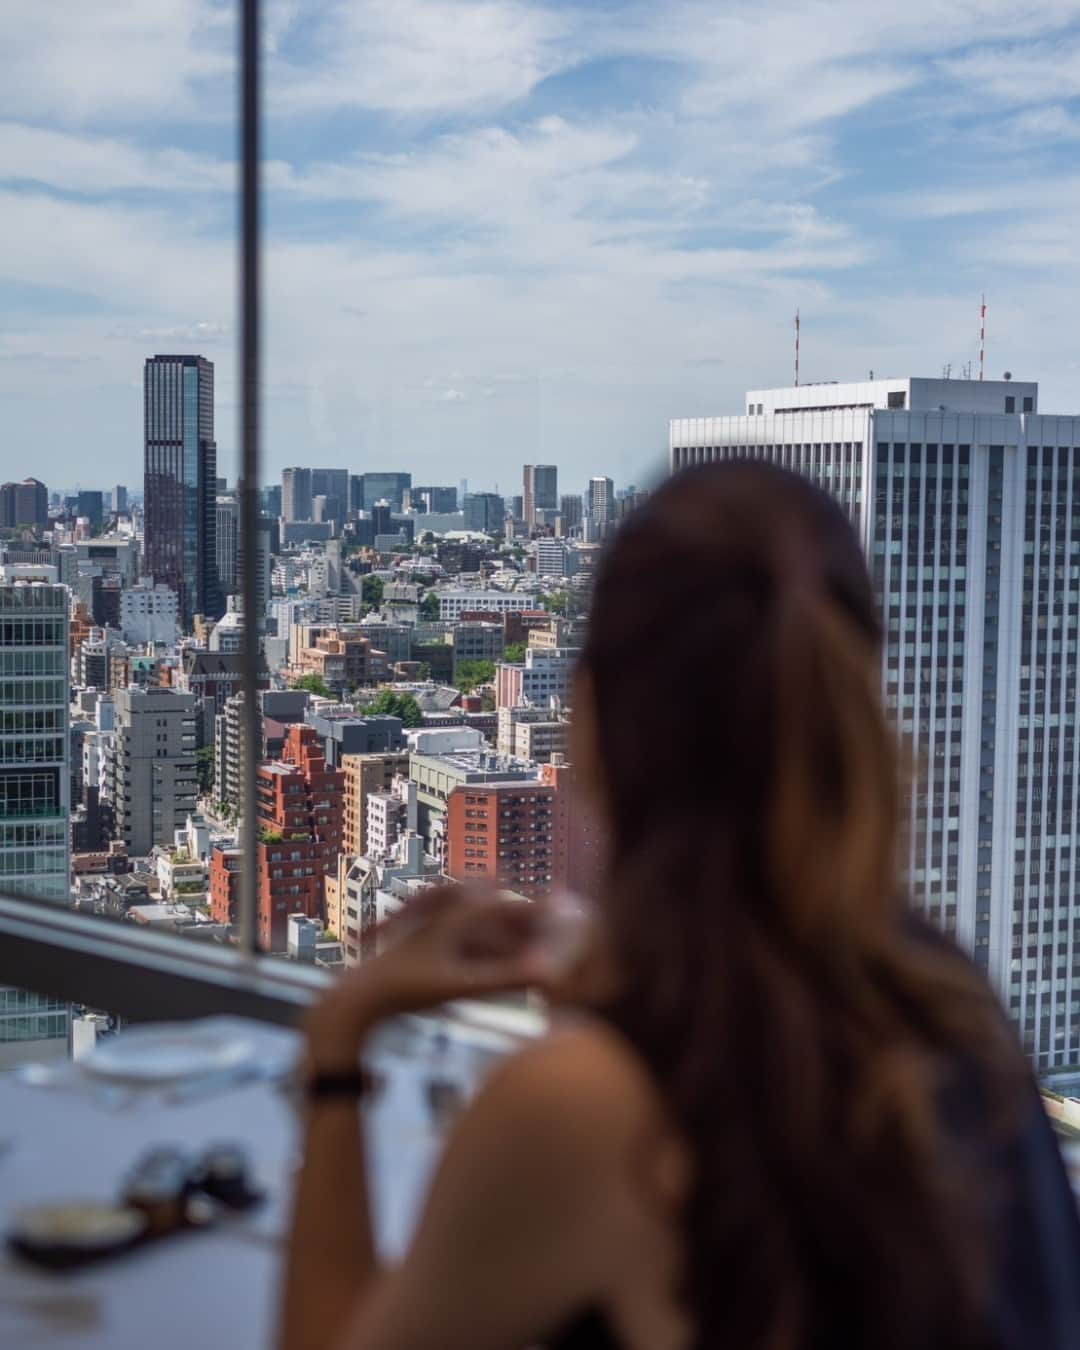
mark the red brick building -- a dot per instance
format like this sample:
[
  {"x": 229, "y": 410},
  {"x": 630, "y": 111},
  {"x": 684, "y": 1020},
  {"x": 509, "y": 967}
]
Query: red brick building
[
  {"x": 515, "y": 832},
  {"x": 299, "y": 803},
  {"x": 225, "y": 864}
]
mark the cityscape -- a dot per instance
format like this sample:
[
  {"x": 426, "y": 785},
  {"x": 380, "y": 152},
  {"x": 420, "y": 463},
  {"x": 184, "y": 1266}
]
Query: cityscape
[{"x": 416, "y": 650}]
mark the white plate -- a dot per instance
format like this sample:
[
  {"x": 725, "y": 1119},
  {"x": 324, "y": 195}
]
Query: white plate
[{"x": 167, "y": 1053}]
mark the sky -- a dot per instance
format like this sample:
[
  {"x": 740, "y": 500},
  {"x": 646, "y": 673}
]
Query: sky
[{"x": 504, "y": 231}]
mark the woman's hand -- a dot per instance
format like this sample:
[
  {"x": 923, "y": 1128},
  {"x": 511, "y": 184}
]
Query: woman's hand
[{"x": 448, "y": 942}]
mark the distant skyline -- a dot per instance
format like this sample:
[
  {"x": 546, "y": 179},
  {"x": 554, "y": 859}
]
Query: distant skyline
[{"x": 506, "y": 231}]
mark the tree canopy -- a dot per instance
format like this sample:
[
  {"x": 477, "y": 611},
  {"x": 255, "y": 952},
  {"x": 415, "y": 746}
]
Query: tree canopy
[
  {"x": 371, "y": 590},
  {"x": 471, "y": 673},
  {"x": 515, "y": 653},
  {"x": 391, "y": 703},
  {"x": 429, "y": 607},
  {"x": 314, "y": 684}
]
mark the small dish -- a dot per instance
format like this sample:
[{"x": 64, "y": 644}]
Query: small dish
[
  {"x": 73, "y": 1232},
  {"x": 168, "y": 1052}
]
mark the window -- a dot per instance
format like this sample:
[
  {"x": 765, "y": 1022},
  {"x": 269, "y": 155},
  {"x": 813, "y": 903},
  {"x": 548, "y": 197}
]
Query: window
[
  {"x": 1029, "y": 403},
  {"x": 897, "y": 398},
  {"x": 1010, "y": 403}
]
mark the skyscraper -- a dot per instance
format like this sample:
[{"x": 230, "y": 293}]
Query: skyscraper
[
  {"x": 179, "y": 495},
  {"x": 35, "y": 779},
  {"x": 601, "y": 503},
  {"x": 228, "y": 527},
  {"x": 119, "y": 500},
  {"x": 968, "y": 505},
  {"x": 296, "y": 494},
  {"x": 391, "y": 487},
  {"x": 541, "y": 491},
  {"x": 25, "y": 503},
  {"x": 485, "y": 512}
]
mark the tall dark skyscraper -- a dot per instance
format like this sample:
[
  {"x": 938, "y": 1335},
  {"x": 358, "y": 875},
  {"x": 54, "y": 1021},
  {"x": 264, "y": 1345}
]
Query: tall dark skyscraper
[
  {"x": 180, "y": 477},
  {"x": 541, "y": 484}
]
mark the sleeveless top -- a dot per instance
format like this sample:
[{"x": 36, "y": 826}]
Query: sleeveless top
[{"x": 1035, "y": 1288}]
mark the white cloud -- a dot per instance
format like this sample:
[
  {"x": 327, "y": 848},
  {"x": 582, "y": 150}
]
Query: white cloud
[
  {"x": 72, "y": 61},
  {"x": 417, "y": 57}
]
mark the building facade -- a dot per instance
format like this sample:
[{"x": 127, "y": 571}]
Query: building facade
[
  {"x": 540, "y": 491},
  {"x": 967, "y": 501},
  {"x": 514, "y": 833},
  {"x": 296, "y": 494},
  {"x": 228, "y": 533},
  {"x": 35, "y": 783},
  {"x": 365, "y": 774},
  {"x": 25, "y": 503},
  {"x": 180, "y": 482},
  {"x": 485, "y": 512},
  {"x": 149, "y": 613},
  {"x": 155, "y": 783},
  {"x": 299, "y": 816}
]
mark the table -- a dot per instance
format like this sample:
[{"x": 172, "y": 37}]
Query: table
[{"x": 220, "y": 1287}]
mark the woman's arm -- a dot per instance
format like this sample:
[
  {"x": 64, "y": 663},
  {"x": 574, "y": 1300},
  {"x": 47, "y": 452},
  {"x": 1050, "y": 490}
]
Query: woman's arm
[
  {"x": 522, "y": 1229},
  {"x": 331, "y": 1256},
  {"x": 450, "y": 945}
]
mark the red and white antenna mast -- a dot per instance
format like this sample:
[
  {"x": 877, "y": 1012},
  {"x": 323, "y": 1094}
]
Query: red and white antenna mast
[
  {"x": 796, "y": 347},
  {"x": 982, "y": 338}
]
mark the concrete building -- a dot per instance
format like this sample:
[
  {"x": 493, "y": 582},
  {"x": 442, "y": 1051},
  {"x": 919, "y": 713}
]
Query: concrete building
[
  {"x": 455, "y": 601},
  {"x": 390, "y": 816},
  {"x": 966, "y": 500},
  {"x": 601, "y": 503},
  {"x": 296, "y": 494},
  {"x": 346, "y": 733},
  {"x": 477, "y": 640},
  {"x": 364, "y": 775},
  {"x": 551, "y": 558},
  {"x": 546, "y": 673},
  {"x": 149, "y": 613},
  {"x": 155, "y": 785},
  {"x": 531, "y": 733}
]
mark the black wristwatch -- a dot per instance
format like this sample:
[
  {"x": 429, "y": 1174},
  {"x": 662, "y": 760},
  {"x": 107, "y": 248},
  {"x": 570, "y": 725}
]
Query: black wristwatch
[{"x": 357, "y": 1084}]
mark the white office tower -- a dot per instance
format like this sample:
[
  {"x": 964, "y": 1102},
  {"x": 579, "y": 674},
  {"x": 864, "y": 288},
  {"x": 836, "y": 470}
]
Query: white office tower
[
  {"x": 968, "y": 504},
  {"x": 35, "y": 778}
]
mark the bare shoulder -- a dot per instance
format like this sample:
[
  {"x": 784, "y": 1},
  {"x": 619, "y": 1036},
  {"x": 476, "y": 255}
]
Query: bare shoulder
[{"x": 583, "y": 1088}]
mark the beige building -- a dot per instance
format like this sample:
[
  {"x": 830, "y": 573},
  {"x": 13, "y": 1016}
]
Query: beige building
[{"x": 365, "y": 774}]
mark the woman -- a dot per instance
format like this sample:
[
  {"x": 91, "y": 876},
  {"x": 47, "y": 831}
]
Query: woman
[{"x": 791, "y": 1117}]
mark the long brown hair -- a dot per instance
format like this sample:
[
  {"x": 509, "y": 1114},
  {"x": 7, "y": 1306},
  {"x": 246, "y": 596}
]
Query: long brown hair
[{"x": 803, "y": 1032}]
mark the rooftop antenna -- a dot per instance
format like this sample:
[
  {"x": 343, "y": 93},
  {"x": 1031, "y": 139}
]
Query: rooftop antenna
[
  {"x": 797, "y": 348},
  {"x": 982, "y": 338}
]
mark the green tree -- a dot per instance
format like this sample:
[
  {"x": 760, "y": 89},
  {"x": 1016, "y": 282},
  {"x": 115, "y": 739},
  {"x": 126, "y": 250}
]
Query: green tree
[
  {"x": 515, "y": 653},
  {"x": 204, "y": 767},
  {"x": 314, "y": 684},
  {"x": 424, "y": 673},
  {"x": 371, "y": 590},
  {"x": 429, "y": 608},
  {"x": 471, "y": 673},
  {"x": 391, "y": 703}
]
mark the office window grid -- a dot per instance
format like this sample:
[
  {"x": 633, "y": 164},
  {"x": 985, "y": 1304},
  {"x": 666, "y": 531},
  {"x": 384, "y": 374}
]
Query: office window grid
[
  {"x": 1044, "y": 975},
  {"x": 836, "y": 466},
  {"x": 919, "y": 568}
]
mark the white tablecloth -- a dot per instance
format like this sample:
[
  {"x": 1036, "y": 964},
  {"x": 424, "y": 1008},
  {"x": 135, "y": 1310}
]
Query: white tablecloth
[{"x": 213, "y": 1288}]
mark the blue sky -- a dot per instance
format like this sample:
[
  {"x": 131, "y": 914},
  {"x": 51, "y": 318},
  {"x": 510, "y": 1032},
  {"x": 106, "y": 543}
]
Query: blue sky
[{"x": 502, "y": 231}]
